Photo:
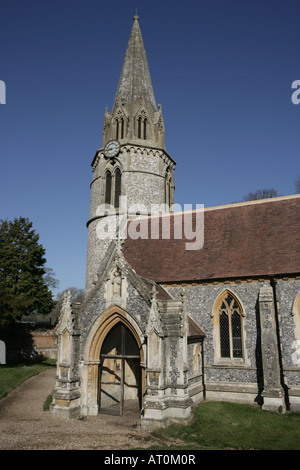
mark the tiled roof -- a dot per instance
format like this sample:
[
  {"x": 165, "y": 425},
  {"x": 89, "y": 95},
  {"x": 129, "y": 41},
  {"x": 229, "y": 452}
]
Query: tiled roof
[
  {"x": 194, "y": 330},
  {"x": 240, "y": 240}
]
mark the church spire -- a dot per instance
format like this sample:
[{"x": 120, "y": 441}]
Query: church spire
[
  {"x": 135, "y": 117},
  {"x": 132, "y": 165},
  {"x": 135, "y": 80}
]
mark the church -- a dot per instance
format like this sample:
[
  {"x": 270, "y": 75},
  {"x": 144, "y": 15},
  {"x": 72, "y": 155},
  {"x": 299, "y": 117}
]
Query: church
[{"x": 180, "y": 307}]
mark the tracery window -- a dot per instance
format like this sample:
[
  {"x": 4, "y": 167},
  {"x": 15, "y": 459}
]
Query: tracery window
[{"x": 230, "y": 328}]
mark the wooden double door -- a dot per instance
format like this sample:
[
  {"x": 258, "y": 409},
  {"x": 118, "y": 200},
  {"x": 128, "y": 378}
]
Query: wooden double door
[{"x": 119, "y": 381}]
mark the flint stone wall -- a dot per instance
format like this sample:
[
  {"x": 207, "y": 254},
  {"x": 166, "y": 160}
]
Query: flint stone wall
[{"x": 200, "y": 302}]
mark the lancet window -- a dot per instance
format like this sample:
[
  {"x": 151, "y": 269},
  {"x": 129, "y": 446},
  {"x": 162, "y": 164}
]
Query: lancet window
[
  {"x": 168, "y": 188},
  {"x": 119, "y": 128},
  {"x": 113, "y": 188},
  {"x": 108, "y": 180},
  {"x": 142, "y": 128},
  {"x": 117, "y": 187}
]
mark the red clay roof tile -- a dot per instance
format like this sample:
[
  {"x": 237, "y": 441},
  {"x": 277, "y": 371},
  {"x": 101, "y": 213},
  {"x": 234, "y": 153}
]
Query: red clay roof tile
[{"x": 240, "y": 240}]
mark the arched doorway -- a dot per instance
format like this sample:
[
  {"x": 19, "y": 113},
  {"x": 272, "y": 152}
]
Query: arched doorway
[{"x": 119, "y": 373}]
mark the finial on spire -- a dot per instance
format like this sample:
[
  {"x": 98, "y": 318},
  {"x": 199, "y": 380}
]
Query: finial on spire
[{"x": 136, "y": 17}]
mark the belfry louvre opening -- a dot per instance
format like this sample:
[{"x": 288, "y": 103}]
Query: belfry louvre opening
[{"x": 119, "y": 381}]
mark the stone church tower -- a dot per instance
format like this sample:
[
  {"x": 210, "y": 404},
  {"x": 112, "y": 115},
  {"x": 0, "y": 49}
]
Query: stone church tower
[{"x": 133, "y": 161}]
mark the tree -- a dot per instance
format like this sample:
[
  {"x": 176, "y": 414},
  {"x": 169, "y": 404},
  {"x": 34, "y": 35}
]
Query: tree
[
  {"x": 23, "y": 288},
  {"x": 261, "y": 194},
  {"x": 50, "y": 279}
]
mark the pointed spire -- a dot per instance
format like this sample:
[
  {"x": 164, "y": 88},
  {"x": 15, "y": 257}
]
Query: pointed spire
[
  {"x": 135, "y": 117},
  {"x": 135, "y": 81}
]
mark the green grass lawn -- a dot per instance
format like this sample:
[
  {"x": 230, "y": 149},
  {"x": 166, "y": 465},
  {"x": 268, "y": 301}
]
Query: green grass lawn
[
  {"x": 13, "y": 375},
  {"x": 220, "y": 425}
]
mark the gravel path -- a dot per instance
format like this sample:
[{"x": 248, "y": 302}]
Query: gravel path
[{"x": 25, "y": 426}]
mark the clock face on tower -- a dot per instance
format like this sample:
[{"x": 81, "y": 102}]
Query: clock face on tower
[{"x": 112, "y": 148}]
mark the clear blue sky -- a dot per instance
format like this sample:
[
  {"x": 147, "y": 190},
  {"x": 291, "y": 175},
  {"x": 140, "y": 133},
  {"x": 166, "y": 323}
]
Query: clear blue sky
[{"x": 221, "y": 69}]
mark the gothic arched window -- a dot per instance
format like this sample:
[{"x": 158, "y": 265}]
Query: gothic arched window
[
  {"x": 117, "y": 187},
  {"x": 108, "y": 181},
  {"x": 119, "y": 128},
  {"x": 229, "y": 327},
  {"x": 168, "y": 188},
  {"x": 113, "y": 188},
  {"x": 142, "y": 128}
]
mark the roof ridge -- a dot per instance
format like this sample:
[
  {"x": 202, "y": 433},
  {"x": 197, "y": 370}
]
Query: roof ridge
[
  {"x": 255, "y": 201},
  {"x": 225, "y": 206}
]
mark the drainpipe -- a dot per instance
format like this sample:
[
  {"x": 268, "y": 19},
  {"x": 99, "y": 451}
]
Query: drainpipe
[{"x": 273, "y": 284}]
